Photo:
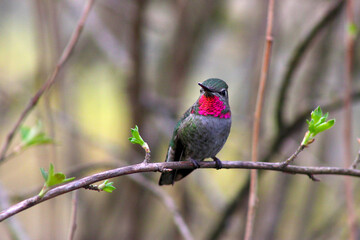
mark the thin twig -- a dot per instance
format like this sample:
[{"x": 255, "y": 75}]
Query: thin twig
[
  {"x": 349, "y": 189},
  {"x": 50, "y": 81},
  {"x": 293, "y": 156},
  {"x": 74, "y": 208},
  {"x": 158, "y": 192},
  {"x": 298, "y": 54},
  {"x": 285, "y": 130},
  {"x": 312, "y": 177},
  {"x": 155, "y": 167},
  {"x": 257, "y": 116},
  {"x": 169, "y": 203}
]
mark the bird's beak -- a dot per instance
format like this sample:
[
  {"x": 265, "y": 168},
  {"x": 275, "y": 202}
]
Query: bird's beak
[{"x": 206, "y": 88}]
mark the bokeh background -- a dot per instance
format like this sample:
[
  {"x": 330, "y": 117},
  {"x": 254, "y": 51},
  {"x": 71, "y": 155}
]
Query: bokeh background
[{"x": 138, "y": 63}]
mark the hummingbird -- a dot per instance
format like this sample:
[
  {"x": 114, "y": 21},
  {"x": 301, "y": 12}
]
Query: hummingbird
[{"x": 202, "y": 131}]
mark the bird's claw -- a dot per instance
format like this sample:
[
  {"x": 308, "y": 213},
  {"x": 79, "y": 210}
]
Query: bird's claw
[
  {"x": 218, "y": 163},
  {"x": 195, "y": 163}
]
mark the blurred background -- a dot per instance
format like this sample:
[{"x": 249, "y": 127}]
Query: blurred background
[{"x": 138, "y": 63}]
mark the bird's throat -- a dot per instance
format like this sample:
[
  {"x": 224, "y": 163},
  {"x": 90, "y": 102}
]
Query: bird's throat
[{"x": 212, "y": 106}]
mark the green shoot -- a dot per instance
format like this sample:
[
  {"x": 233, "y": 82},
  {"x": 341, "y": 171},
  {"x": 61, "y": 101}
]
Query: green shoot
[
  {"x": 317, "y": 124},
  {"x": 31, "y": 136},
  {"x": 107, "y": 186},
  {"x": 52, "y": 179},
  {"x": 137, "y": 139}
]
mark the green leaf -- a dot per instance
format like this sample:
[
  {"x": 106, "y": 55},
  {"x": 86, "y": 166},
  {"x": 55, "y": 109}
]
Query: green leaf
[
  {"x": 321, "y": 121},
  {"x": 52, "y": 179},
  {"x": 55, "y": 179},
  {"x": 107, "y": 186},
  {"x": 109, "y": 189},
  {"x": 316, "y": 125},
  {"x": 325, "y": 126},
  {"x": 316, "y": 114},
  {"x": 33, "y": 136},
  {"x": 44, "y": 174},
  {"x": 40, "y": 140},
  {"x": 24, "y": 132},
  {"x": 136, "y": 138},
  {"x": 326, "y": 115}
]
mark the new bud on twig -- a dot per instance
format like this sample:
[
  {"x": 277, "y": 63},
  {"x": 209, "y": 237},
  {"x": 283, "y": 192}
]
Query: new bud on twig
[
  {"x": 52, "y": 179},
  {"x": 107, "y": 186},
  {"x": 137, "y": 139},
  {"x": 317, "y": 124}
]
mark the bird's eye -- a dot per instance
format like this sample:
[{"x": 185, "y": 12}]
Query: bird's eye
[
  {"x": 223, "y": 92},
  {"x": 201, "y": 90}
]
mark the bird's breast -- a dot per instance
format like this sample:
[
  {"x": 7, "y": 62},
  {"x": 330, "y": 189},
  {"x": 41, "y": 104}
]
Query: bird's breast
[{"x": 204, "y": 136}]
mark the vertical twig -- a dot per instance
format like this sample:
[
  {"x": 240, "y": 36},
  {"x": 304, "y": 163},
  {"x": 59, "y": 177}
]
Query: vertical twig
[
  {"x": 135, "y": 85},
  {"x": 255, "y": 134},
  {"x": 73, "y": 217},
  {"x": 350, "y": 205},
  {"x": 287, "y": 129},
  {"x": 178, "y": 219},
  {"x": 297, "y": 58},
  {"x": 50, "y": 81}
]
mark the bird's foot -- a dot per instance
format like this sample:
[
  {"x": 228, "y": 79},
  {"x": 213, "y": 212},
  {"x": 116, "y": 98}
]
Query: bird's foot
[
  {"x": 218, "y": 163},
  {"x": 195, "y": 163}
]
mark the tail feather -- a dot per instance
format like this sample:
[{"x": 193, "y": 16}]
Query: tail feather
[{"x": 168, "y": 178}]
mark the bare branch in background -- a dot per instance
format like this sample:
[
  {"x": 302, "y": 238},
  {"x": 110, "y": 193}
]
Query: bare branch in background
[
  {"x": 74, "y": 209},
  {"x": 285, "y": 130},
  {"x": 349, "y": 186},
  {"x": 50, "y": 81},
  {"x": 297, "y": 57},
  {"x": 256, "y": 128}
]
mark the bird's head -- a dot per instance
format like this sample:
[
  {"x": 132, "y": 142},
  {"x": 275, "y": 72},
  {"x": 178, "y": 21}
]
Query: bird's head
[{"x": 215, "y": 87}]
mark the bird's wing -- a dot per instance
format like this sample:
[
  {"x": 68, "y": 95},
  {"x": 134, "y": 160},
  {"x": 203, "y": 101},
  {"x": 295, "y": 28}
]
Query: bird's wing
[
  {"x": 176, "y": 147},
  {"x": 174, "y": 154}
]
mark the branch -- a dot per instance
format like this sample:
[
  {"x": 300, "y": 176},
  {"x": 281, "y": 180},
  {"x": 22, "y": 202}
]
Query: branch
[
  {"x": 50, "y": 81},
  {"x": 169, "y": 203},
  {"x": 73, "y": 224},
  {"x": 292, "y": 157},
  {"x": 297, "y": 56},
  {"x": 250, "y": 218},
  {"x": 349, "y": 186},
  {"x": 158, "y": 167}
]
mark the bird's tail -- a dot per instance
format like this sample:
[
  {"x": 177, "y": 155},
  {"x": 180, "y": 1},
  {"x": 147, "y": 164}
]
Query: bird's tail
[{"x": 168, "y": 178}]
